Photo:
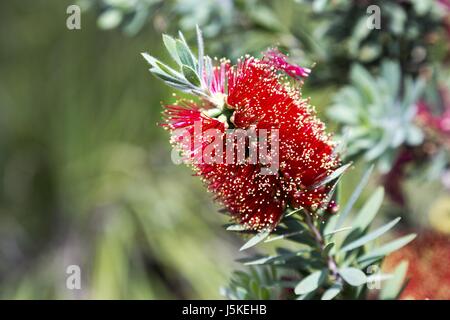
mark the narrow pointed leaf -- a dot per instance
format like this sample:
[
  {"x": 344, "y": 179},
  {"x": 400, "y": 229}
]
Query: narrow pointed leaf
[
  {"x": 191, "y": 75},
  {"x": 370, "y": 236},
  {"x": 170, "y": 44},
  {"x": 284, "y": 236},
  {"x": 369, "y": 210},
  {"x": 236, "y": 227},
  {"x": 201, "y": 50},
  {"x": 167, "y": 69},
  {"x": 334, "y": 175},
  {"x": 161, "y": 67},
  {"x": 185, "y": 54},
  {"x": 337, "y": 231},
  {"x": 388, "y": 248},
  {"x": 255, "y": 240},
  {"x": 166, "y": 77},
  {"x": 355, "y": 195},
  {"x": 327, "y": 249}
]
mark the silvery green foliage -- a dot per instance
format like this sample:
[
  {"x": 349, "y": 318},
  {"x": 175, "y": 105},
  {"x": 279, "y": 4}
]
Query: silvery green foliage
[
  {"x": 335, "y": 258},
  {"x": 241, "y": 26},
  {"x": 234, "y": 27},
  {"x": 376, "y": 114},
  {"x": 344, "y": 22},
  {"x": 193, "y": 74},
  {"x": 132, "y": 15}
]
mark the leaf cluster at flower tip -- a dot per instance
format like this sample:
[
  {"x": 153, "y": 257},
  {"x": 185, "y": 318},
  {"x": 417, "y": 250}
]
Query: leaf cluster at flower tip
[{"x": 195, "y": 74}]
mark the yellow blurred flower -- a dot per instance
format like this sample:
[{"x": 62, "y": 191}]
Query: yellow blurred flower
[{"x": 439, "y": 215}]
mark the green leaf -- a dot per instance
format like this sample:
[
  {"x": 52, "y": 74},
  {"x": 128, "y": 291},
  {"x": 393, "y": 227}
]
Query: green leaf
[
  {"x": 185, "y": 54},
  {"x": 311, "y": 282},
  {"x": 326, "y": 250},
  {"x": 332, "y": 292},
  {"x": 329, "y": 197},
  {"x": 330, "y": 226},
  {"x": 329, "y": 233},
  {"x": 355, "y": 195},
  {"x": 168, "y": 70},
  {"x": 151, "y": 60},
  {"x": 392, "y": 288},
  {"x": 162, "y": 68},
  {"x": 388, "y": 248},
  {"x": 262, "y": 261},
  {"x": 353, "y": 276},
  {"x": 365, "y": 216},
  {"x": 236, "y": 227},
  {"x": 288, "y": 214},
  {"x": 191, "y": 75},
  {"x": 170, "y": 44},
  {"x": 284, "y": 236},
  {"x": 166, "y": 77},
  {"x": 334, "y": 175},
  {"x": 255, "y": 240},
  {"x": 201, "y": 50},
  {"x": 370, "y": 236},
  {"x": 281, "y": 258},
  {"x": 392, "y": 75},
  {"x": 369, "y": 210},
  {"x": 209, "y": 70}
]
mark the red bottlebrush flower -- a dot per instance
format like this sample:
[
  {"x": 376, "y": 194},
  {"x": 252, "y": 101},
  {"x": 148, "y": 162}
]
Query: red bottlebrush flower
[
  {"x": 252, "y": 96},
  {"x": 428, "y": 272}
]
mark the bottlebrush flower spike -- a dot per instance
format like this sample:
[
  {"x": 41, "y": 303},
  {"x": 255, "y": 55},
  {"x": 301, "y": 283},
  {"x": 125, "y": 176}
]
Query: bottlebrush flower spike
[{"x": 249, "y": 96}]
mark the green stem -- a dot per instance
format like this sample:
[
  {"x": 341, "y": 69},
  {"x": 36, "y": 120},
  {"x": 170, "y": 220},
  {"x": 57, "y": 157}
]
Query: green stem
[{"x": 332, "y": 265}]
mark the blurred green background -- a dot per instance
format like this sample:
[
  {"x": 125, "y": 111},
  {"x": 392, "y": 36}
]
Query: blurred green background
[{"x": 85, "y": 171}]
